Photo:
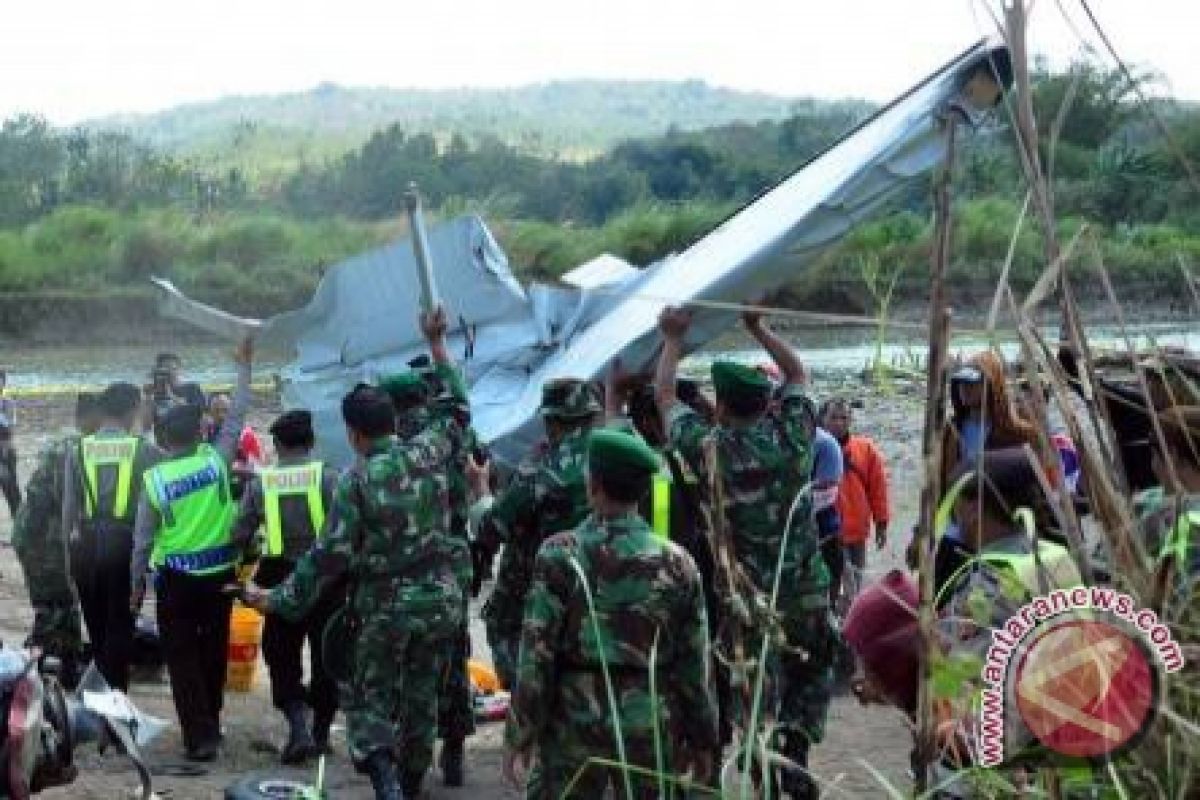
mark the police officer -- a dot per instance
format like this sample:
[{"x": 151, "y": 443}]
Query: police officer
[
  {"x": 102, "y": 485},
  {"x": 41, "y": 548},
  {"x": 548, "y": 494},
  {"x": 763, "y": 464},
  {"x": 392, "y": 515},
  {"x": 291, "y": 502},
  {"x": 650, "y": 640},
  {"x": 183, "y": 530}
]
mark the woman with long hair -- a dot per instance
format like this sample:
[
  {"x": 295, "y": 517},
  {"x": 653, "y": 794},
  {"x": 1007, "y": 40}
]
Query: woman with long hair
[{"x": 982, "y": 418}]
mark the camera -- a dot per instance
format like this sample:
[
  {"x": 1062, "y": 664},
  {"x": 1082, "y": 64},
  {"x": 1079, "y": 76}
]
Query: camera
[{"x": 162, "y": 382}]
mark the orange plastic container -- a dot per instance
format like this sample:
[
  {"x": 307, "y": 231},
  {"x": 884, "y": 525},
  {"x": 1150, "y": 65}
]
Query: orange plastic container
[
  {"x": 483, "y": 677},
  {"x": 245, "y": 638}
]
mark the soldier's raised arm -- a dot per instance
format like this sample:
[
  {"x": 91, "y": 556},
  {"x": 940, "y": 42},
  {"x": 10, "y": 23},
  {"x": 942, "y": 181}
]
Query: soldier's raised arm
[
  {"x": 782, "y": 353},
  {"x": 434, "y": 325},
  {"x": 673, "y": 324},
  {"x": 685, "y": 429},
  {"x": 231, "y": 428}
]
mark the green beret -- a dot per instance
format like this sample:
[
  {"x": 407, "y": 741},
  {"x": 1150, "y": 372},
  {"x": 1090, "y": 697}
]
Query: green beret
[
  {"x": 732, "y": 379},
  {"x": 569, "y": 398},
  {"x": 612, "y": 451},
  {"x": 405, "y": 387}
]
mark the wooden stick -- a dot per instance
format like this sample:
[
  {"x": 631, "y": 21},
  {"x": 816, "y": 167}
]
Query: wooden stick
[
  {"x": 931, "y": 447},
  {"x": 774, "y": 311},
  {"x": 1072, "y": 326}
]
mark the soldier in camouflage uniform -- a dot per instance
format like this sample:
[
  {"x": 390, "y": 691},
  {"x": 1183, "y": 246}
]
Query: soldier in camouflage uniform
[
  {"x": 685, "y": 521},
  {"x": 547, "y": 495},
  {"x": 649, "y": 635},
  {"x": 392, "y": 515},
  {"x": 434, "y": 398},
  {"x": 764, "y": 460},
  {"x": 41, "y": 548}
]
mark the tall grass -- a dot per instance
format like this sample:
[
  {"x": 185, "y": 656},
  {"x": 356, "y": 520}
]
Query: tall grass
[{"x": 240, "y": 259}]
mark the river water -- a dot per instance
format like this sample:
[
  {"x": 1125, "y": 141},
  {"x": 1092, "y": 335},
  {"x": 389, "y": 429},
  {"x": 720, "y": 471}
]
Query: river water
[{"x": 830, "y": 350}]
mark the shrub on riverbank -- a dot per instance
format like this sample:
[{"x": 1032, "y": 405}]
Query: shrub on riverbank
[{"x": 261, "y": 263}]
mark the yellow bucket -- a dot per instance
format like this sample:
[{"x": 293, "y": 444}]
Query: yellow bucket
[
  {"x": 245, "y": 636},
  {"x": 483, "y": 677}
]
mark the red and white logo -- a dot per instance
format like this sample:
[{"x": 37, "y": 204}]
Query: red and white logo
[{"x": 1085, "y": 688}]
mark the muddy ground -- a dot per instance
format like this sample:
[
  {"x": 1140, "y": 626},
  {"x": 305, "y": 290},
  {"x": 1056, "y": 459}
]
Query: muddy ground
[{"x": 254, "y": 730}]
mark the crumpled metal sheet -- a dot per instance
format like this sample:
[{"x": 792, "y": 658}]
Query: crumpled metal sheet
[{"x": 362, "y": 320}]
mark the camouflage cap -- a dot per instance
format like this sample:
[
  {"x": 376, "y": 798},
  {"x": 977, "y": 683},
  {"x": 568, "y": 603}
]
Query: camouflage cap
[
  {"x": 405, "y": 388},
  {"x": 732, "y": 379},
  {"x": 612, "y": 450},
  {"x": 569, "y": 398}
]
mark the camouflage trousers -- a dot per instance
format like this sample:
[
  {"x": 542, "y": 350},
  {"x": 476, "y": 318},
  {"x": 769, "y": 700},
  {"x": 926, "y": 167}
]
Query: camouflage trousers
[
  {"x": 456, "y": 711},
  {"x": 581, "y": 732},
  {"x": 802, "y": 687},
  {"x": 797, "y": 688},
  {"x": 392, "y": 702},
  {"x": 505, "y": 646},
  {"x": 57, "y": 623}
]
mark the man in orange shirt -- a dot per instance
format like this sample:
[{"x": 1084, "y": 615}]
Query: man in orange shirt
[{"x": 863, "y": 493}]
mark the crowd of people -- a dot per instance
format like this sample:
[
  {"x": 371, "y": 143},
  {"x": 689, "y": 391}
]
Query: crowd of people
[{"x": 675, "y": 569}]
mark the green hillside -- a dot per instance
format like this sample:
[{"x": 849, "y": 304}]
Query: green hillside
[{"x": 569, "y": 119}]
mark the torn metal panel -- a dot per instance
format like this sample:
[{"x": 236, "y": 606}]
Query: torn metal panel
[{"x": 362, "y": 320}]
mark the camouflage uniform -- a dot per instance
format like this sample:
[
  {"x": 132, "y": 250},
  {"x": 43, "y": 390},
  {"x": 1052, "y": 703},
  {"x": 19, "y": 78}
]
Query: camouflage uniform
[
  {"x": 40, "y": 547},
  {"x": 647, "y": 595},
  {"x": 447, "y": 411},
  {"x": 392, "y": 513},
  {"x": 764, "y": 467},
  {"x": 547, "y": 495}
]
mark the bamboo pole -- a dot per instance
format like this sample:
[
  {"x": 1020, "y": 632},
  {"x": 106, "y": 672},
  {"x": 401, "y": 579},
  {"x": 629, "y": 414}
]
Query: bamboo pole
[
  {"x": 1072, "y": 334},
  {"x": 931, "y": 445}
]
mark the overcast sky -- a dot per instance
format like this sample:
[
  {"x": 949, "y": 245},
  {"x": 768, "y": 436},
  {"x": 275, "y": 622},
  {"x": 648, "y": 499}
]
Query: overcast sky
[{"x": 74, "y": 60}]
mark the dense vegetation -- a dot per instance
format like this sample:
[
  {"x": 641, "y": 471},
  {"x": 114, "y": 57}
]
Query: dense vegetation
[{"x": 87, "y": 211}]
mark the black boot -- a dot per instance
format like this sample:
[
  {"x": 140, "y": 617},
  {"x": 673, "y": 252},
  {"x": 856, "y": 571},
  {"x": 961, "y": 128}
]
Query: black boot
[
  {"x": 411, "y": 783},
  {"x": 798, "y": 784},
  {"x": 322, "y": 722},
  {"x": 451, "y": 762},
  {"x": 381, "y": 769},
  {"x": 300, "y": 745}
]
